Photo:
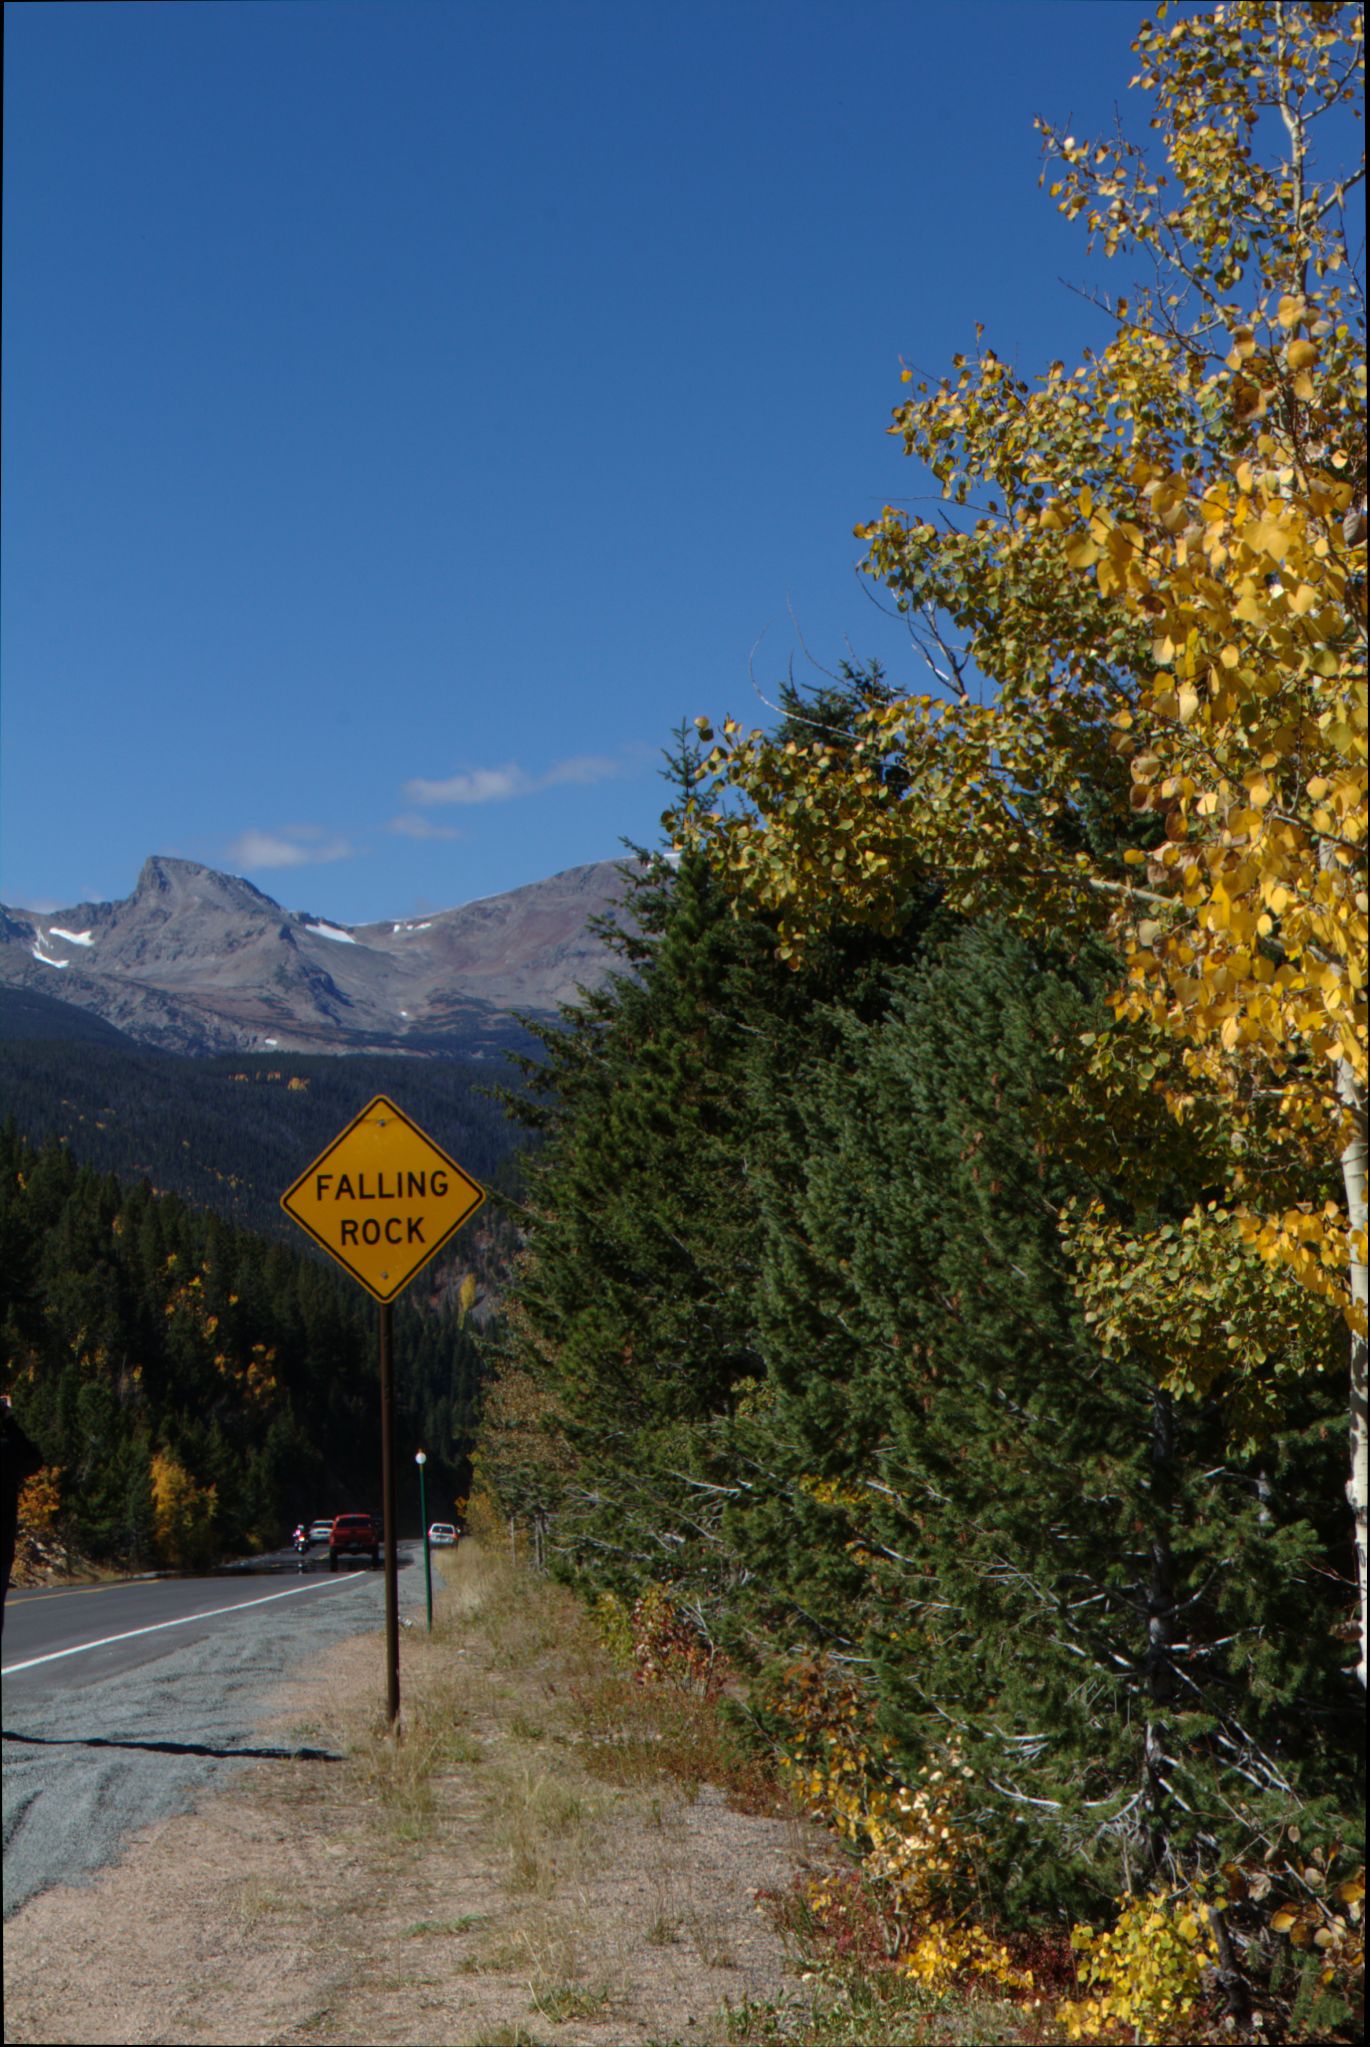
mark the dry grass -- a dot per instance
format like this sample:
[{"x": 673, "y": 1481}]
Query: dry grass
[
  {"x": 539, "y": 1823},
  {"x": 258, "y": 1899},
  {"x": 638, "y": 1738},
  {"x": 535, "y": 1856},
  {"x": 544, "y": 1852},
  {"x": 402, "y": 1777}
]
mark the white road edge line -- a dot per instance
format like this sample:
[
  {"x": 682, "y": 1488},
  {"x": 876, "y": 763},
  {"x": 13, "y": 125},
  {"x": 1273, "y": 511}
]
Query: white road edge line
[{"x": 56, "y": 1655}]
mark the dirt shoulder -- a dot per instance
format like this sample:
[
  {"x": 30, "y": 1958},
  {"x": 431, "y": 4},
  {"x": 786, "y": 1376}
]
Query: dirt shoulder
[{"x": 541, "y": 1857}]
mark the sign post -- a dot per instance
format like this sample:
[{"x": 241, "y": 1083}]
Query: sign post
[
  {"x": 421, "y": 1458},
  {"x": 381, "y": 1200},
  {"x": 392, "y": 1583}
]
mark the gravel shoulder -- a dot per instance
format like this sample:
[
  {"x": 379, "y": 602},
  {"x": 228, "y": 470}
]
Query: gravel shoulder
[
  {"x": 88, "y": 1764},
  {"x": 514, "y": 1870}
]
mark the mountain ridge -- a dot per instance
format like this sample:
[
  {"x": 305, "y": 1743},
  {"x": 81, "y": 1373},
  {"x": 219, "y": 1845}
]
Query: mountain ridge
[{"x": 198, "y": 961}]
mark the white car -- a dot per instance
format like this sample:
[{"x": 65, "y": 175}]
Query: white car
[
  {"x": 319, "y": 1531},
  {"x": 442, "y": 1535}
]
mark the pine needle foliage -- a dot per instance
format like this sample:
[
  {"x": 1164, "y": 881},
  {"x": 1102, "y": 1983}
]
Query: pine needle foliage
[
  {"x": 1030, "y": 1550},
  {"x": 798, "y": 1336}
]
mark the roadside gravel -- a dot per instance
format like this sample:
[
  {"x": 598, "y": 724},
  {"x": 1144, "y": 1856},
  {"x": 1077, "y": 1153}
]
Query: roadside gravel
[
  {"x": 84, "y": 1768},
  {"x": 541, "y": 1860}
]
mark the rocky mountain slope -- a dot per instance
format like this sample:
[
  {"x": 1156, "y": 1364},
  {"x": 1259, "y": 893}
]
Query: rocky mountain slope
[{"x": 196, "y": 961}]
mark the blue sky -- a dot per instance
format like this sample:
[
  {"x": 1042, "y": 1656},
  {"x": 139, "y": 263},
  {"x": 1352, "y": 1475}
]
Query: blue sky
[{"x": 413, "y": 409}]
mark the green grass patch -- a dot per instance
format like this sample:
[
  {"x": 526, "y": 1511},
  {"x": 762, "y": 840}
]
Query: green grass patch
[
  {"x": 561, "y": 2002},
  {"x": 882, "y": 2010},
  {"x": 422, "y": 1927}
]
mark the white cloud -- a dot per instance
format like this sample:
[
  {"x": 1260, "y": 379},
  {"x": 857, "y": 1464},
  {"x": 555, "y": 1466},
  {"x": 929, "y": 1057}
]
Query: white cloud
[
  {"x": 291, "y": 846},
  {"x": 584, "y": 769},
  {"x": 498, "y": 785},
  {"x": 480, "y": 785},
  {"x": 410, "y": 826}
]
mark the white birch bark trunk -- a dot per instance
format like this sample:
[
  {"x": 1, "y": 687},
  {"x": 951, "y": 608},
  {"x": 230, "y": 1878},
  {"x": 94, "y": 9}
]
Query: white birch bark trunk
[
  {"x": 1353, "y": 1166},
  {"x": 1160, "y": 1620}
]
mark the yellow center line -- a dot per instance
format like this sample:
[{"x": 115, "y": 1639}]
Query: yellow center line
[{"x": 20, "y": 1596}]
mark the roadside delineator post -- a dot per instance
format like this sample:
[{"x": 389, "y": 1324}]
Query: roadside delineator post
[
  {"x": 382, "y": 1199},
  {"x": 421, "y": 1458}
]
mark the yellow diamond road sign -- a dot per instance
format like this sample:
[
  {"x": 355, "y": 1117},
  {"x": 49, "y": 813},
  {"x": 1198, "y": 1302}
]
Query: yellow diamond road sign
[{"x": 382, "y": 1198}]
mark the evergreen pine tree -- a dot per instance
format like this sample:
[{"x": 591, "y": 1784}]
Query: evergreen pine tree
[{"x": 1040, "y": 1562}]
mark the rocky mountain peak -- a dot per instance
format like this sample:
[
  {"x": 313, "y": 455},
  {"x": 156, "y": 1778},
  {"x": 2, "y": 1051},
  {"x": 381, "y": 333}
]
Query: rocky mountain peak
[
  {"x": 170, "y": 883},
  {"x": 200, "y": 961}
]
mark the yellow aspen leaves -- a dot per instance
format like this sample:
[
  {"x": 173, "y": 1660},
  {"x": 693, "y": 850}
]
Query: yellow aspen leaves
[
  {"x": 183, "y": 1513},
  {"x": 1170, "y": 603},
  {"x": 1146, "y": 1973},
  {"x": 1268, "y": 536}
]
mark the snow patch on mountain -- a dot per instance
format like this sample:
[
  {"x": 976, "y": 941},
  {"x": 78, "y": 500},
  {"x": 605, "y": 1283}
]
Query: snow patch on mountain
[
  {"x": 72, "y": 937},
  {"x": 331, "y": 931}
]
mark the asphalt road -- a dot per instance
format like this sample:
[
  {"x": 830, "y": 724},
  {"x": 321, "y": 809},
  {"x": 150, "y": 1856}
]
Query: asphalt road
[
  {"x": 123, "y": 1702},
  {"x": 76, "y": 1635}
]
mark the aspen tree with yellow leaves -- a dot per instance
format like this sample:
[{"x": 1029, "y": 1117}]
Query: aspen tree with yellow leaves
[
  {"x": 1142, "y": 605},
  {"x": 183, "y": 1514}
]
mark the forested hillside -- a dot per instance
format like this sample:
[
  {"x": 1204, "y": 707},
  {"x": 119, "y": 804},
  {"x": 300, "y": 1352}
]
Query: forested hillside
[
  {"x": 230, "y": 1132},
  {"x": 194, "y": 1388},
  {"x": 945, "y": 1263},
  {"x": 196, "y": 1373}
]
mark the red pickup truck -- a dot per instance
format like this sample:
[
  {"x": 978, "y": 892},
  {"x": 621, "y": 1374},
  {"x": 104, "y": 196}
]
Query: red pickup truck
[{"x": 353, "y": 1535}]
